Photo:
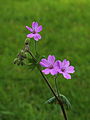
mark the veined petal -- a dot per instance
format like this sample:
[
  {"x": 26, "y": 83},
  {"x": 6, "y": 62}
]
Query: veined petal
[
  {"x": 34, "y": 25},
  {"x": 37, "y": 36},
  {"x": 59, "y": 71},
  {"x": 53, "y": 72},
  {"x": 30, "y": 29},
  {"x": 67, "y": 76},
  {"x": 51, "y": 59},
  {"x": 65, "y": 63},
  {"x": 39, "y": 28},
  {"x": 57, "y": 64},
  {"x": 46, "y": 71},
  {"x": 30, "y": 35},
  {"x": 70, "y": 69},
  {"x": 44, "y": 63}
]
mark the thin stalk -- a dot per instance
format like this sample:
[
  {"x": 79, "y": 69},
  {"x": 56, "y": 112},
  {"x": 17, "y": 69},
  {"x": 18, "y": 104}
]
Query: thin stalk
[
  {"x": 35, "y": 46},
  {"x": 56, "y": 86},
  {"x": 49, "y": 85}
]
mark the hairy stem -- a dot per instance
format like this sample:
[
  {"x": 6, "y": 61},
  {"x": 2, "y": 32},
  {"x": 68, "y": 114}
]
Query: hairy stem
[
  {"x": 56, "y": 86},
  {"x": 49, "y": 85},
  {"x": 35, "y": 47}
]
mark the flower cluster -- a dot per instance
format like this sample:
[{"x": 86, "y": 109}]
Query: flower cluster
[{"x": 54, "y": 67}]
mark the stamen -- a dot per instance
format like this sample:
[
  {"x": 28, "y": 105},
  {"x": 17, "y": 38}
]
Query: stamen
[
  {"x": 62, "y": 69},
  {"x": 51, "y": 66},
  {"x": 34, "y": 32}
]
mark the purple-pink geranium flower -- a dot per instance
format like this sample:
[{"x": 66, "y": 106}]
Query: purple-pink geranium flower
[
  {"x": 50, "y": 65},
  {"x": 34, "y": 31},
  {"x": 65, "y": 69}
]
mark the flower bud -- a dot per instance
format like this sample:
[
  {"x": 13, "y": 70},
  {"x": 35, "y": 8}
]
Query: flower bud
[{"x": 27, "y": 41}]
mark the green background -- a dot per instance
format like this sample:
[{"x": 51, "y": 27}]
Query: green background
[{"x": 66, "y": 34}]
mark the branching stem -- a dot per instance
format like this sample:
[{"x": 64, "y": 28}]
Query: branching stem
[{"x": 49, "y": 85}]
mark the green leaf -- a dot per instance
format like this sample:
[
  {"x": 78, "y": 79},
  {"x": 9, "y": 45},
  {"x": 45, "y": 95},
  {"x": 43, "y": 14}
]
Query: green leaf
[
  {"x": 41, "y": 57},
  {"x": 51, "y": 100},
  {"x": 64, "y": 100}
]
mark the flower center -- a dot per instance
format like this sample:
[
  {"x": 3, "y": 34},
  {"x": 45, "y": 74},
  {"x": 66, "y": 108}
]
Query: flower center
[
  {"x": 34, "y": 32},
  {"x": 51, "y": 66},
  {"x": 63, "y": 69}
]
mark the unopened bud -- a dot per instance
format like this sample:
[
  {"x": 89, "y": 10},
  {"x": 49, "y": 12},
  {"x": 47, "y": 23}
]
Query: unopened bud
[
  {"x": 27, "y": 41},
  {"x": 27, "y": 47}
]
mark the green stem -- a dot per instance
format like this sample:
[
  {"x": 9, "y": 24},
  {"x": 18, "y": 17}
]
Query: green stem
[
  {"x": 49, "y": 85},
  {"x": 35, "y": 46},
  {"x": 56, "y": 86}
]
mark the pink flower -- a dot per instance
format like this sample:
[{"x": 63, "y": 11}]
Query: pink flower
[
  {"x": 34, "y": 31},
  {"x": 50, "y": 65},
  {"x": 65, "y": 69}
]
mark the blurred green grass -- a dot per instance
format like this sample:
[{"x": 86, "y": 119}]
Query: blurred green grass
[{"x": 66, "y": 27}]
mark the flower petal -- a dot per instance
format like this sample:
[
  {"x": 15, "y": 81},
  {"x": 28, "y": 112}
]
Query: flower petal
[
  {"x": 34, "y": 25},
  {"x": 44, "y": 63},
  {"x": 30, "y": 35},
  {"x": 70, "y": 69},
  {"x": 57, "y": 64},
  {"x": 37, "y": 37},
  {"x": 30, "y": 29},
  {"x": 65, "y": 63},
  {"x": 51, "y": 59},
  {"x": 39, "y": 28},
  {"x": 53, "y": 72},
  {"x": 46, "y": 71},
  {"x": 67, "y": 76}
]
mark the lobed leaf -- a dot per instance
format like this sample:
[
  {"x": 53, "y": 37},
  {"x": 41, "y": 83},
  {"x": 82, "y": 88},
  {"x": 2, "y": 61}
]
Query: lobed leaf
[{"x": 64, "y": 100}]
